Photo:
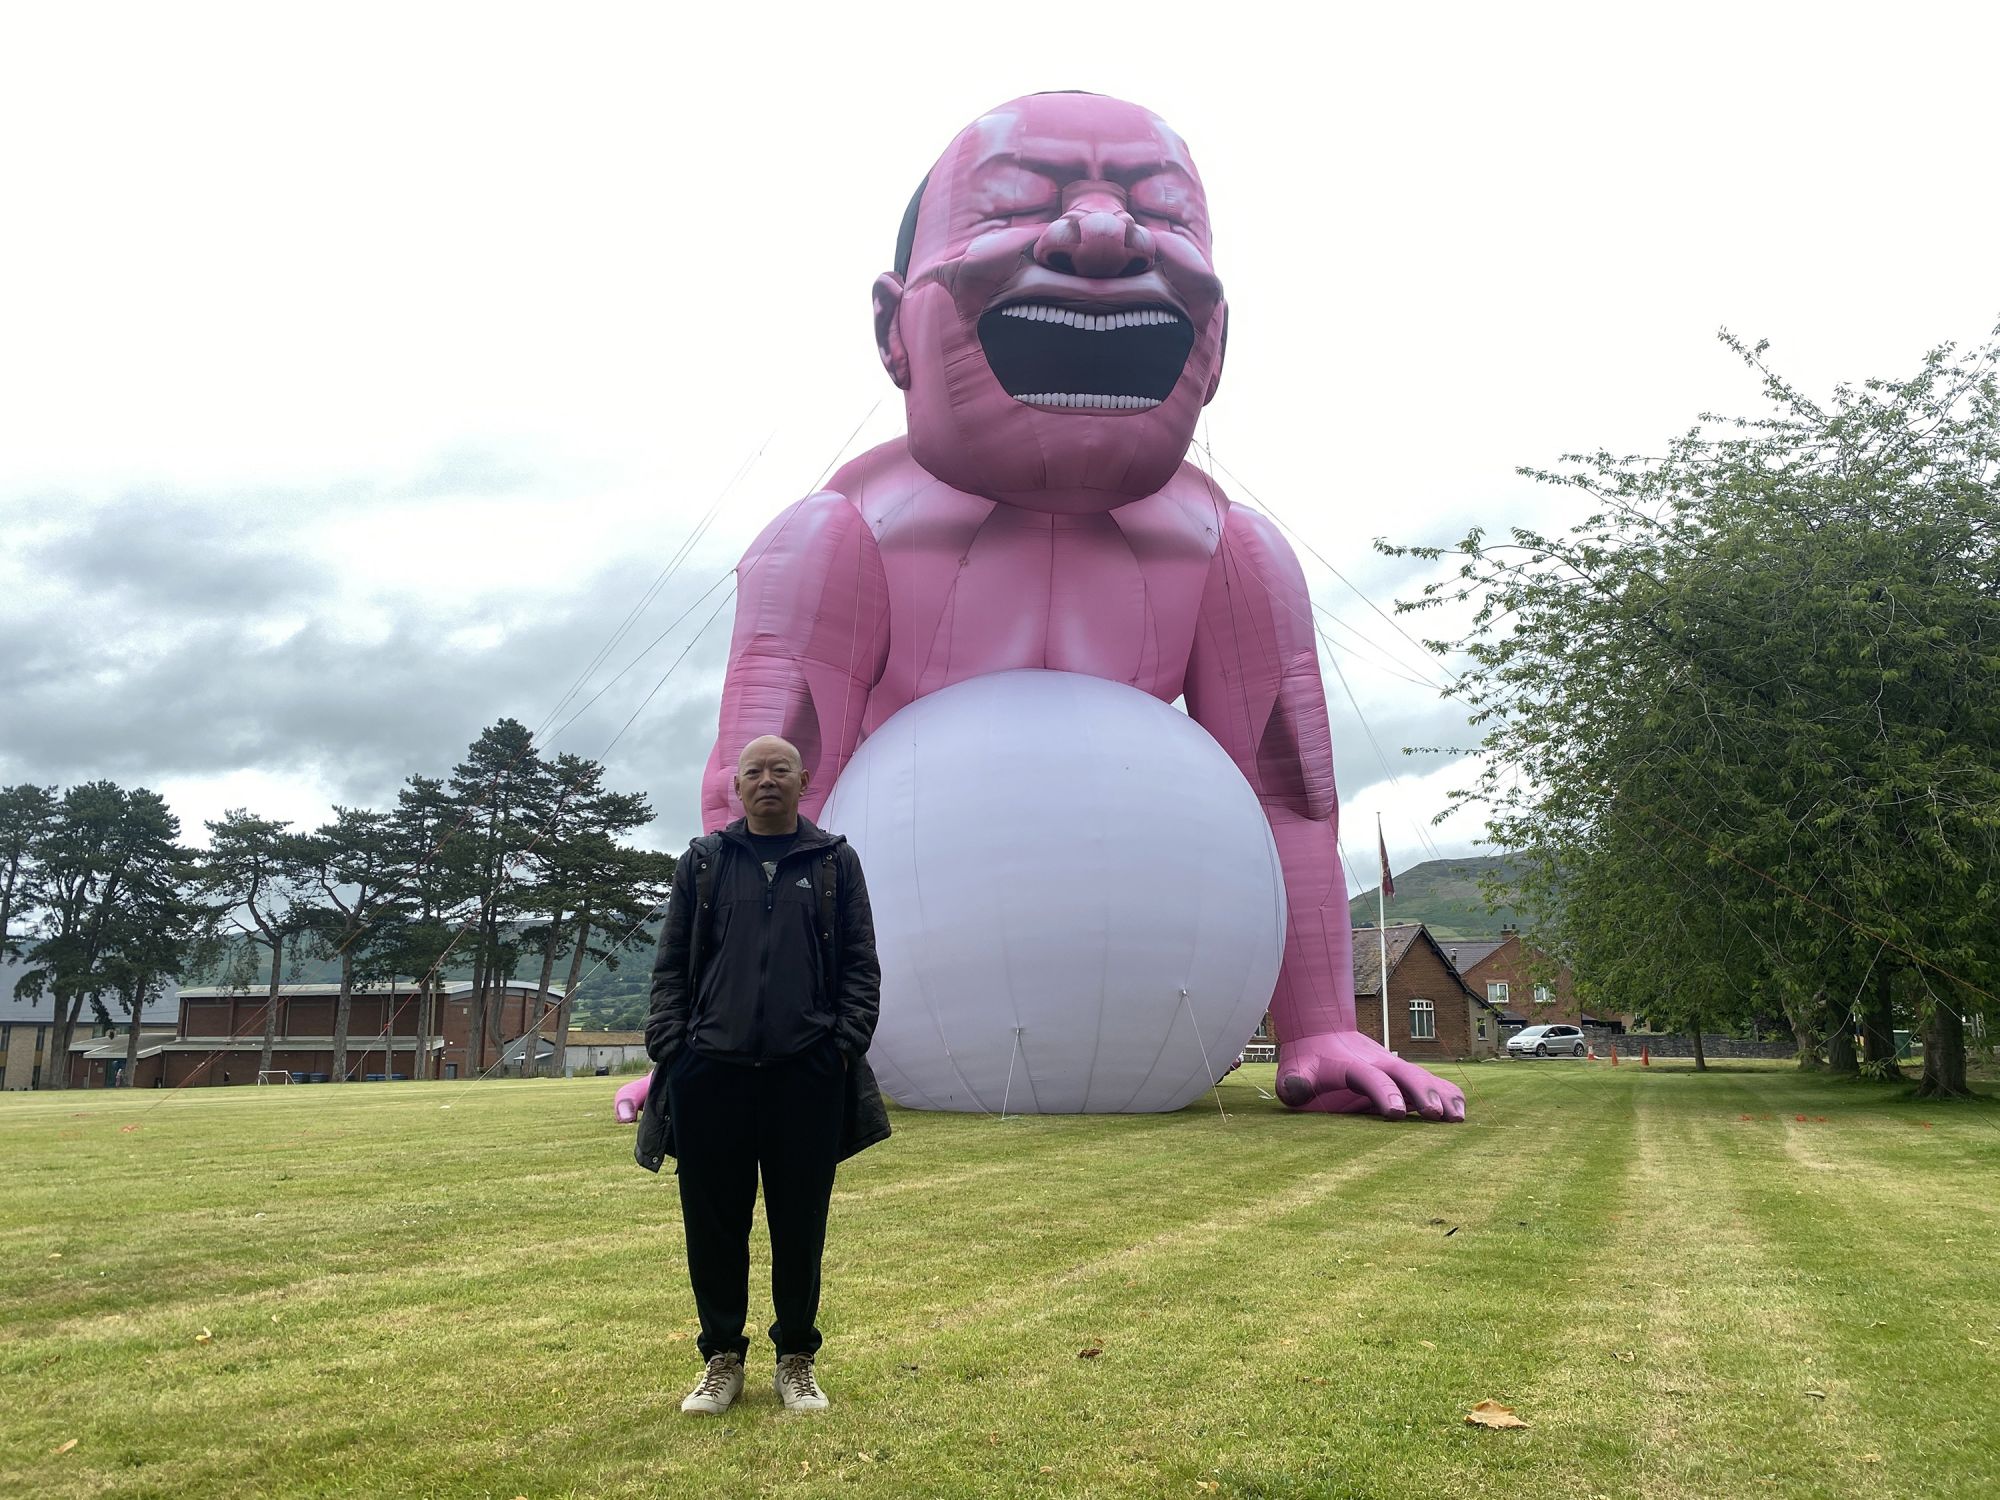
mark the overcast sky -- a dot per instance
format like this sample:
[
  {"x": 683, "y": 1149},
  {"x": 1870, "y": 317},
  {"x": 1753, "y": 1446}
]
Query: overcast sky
[{"x": 362, "y": 368}]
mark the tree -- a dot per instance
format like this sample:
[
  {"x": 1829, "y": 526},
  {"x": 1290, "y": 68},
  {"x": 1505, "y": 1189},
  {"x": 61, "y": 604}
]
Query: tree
[
  {"x": 157, "y": 930},
  {"x": 1762, "y": 681},
  {"x": 358, "y": 867},
  {"x": 498, "y": 786},
  {"x": 434, "y": 868},
  {"x": 106, "y": 854},
  {"x": 586, "y": 881},
  {"x": 26, "y": 815},
  {"x": 255, "y": 871}
]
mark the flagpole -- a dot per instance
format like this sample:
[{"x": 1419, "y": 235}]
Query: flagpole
[{"x": 1382, "y": 927}]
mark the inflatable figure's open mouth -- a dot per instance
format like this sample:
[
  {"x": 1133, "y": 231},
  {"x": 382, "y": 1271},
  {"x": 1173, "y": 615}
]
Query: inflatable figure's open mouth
[{"x": 1128, "y": 359}]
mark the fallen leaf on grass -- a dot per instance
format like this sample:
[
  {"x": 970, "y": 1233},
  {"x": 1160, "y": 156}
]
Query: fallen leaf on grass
[
  {"x": 127, "y": 1129},
  {"x": 65, "y": 1447},
  {"x": 865, "y": 1456},
  {"x": 1817, "y": 1395},
  {"x": 1624, "y": 1356},
  {"x": 1091, "y": 1353},
  {"x": 1207, "y": 1486},
  {"x": 55, "y": 1255},
  {"x": 1451, "y": 1231},
  {"x": 203, "y": 1337},
  {"x": 1427, "y": 1343},
  {"x": 1492, "y": 1414},
  {"x": 1048, "y": 1468},
  {"x": 1871, "y": 1458}
]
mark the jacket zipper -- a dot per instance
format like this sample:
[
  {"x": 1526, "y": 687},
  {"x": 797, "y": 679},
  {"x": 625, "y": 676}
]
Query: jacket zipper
[{"x": 764, "y": 937}]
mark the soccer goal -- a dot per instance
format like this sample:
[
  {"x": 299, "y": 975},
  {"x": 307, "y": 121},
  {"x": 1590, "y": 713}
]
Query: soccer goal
[{"x": 274, "y": 1075}]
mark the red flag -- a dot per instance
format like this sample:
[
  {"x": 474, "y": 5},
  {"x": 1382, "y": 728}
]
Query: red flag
[{"x": 1388, "y": 880}]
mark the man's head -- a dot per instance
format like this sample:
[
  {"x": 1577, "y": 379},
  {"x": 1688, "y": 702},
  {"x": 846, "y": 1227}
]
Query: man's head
[
  {"x": 1057, "y": 324},
  {"x": 770, "y": 779}
]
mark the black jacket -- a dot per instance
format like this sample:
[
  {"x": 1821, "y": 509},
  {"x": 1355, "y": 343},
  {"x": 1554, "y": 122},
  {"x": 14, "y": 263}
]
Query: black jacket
[
  {"x": 750, "y": 970},
  {"x": 755, "y": 977}
]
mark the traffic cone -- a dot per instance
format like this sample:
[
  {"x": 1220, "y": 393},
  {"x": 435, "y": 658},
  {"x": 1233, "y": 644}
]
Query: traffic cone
[
  {"x": 1646, "y": 1055},
  {"x": 1614, "y": 1054},
  {"x": 1591, "y": 1055}
]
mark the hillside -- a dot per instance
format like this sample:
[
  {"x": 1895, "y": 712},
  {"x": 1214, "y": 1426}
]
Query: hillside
[{"x": 1443, "y": 894}]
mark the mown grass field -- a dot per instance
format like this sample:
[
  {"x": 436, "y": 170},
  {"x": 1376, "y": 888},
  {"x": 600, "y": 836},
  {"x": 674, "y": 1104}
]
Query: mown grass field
[{"x": 1681, "y": 1285}]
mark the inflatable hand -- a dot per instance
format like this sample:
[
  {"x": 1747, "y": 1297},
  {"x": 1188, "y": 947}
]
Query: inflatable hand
[
  {"x": 631, "y": 1099},
  {"x": 1346, "y": 1073}
]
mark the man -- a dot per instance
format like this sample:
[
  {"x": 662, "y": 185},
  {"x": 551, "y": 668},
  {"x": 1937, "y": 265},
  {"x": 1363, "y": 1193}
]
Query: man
[{"x": 765, "y": 993}]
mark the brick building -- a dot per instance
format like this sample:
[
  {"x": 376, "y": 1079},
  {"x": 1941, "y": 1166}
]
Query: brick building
[
  {"x": 27, "y": 1030},
  {"x": 1529, "y": 986},
  {"x": 1433, "y": 1016},
  {"x": 219, "y": 1036}
]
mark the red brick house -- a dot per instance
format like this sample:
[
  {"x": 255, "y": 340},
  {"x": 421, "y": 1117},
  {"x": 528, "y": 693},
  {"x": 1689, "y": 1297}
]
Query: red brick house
[
  {"x": 220, "y": 1036},
  {"x": 1532, "y": 988},
  {"x": 1433, "y": 1015}
]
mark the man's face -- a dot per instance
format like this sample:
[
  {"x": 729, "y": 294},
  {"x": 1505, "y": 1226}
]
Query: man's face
[
  {"x": 1061, "y": 325},
  {"x": 770, "y": 781}
]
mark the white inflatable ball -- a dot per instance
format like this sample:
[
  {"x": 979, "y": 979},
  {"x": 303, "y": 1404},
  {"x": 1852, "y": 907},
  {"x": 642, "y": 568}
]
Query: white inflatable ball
[{"x": 1078, "y": 901}]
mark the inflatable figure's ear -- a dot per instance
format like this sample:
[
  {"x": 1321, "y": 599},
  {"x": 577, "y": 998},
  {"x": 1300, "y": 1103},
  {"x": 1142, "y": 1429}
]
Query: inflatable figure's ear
[
  {"x": 1221, "y": 353},
  {"x": 888, "y": 336}
]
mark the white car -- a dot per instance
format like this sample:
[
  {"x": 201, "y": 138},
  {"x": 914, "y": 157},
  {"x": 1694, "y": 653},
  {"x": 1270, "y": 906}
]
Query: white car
[{"x": 1546, "y": 1041}]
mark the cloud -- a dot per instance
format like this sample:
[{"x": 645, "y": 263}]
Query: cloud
[{"x": 157, "y": 640}]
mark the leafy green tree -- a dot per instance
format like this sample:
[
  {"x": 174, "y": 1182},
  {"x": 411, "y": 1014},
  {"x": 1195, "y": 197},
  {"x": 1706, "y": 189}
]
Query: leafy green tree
[
  {"x": 158, "y": 930},
  {"x": 1743, "y": 722},
  {"x": 106, "y": 854},
  {"x": 584, "y": 881},
  {"x": 27, "y": 813},
  {"x": 256, "y": 872},
  {"x": 357, "y": 864},
  {"x": 498, "y": 786},
  {"x": 435, "y": 868}
]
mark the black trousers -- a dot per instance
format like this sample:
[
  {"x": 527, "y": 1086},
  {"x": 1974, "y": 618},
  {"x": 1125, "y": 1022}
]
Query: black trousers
[{"x": 731, "y": 1124}]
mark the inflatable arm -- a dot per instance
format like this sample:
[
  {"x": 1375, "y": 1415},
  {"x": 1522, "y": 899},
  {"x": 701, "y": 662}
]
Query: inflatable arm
[
  {"x": 811, "y": 636},
  {"x": 1254, "y": 684}
]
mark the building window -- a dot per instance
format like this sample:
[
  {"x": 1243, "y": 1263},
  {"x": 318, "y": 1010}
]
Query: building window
[
  {"x": 1542, "y": 995},
  {"x": 1496, "y": 992},
  {"x": 1482, "y": 1026},
  {"x": 1423, "y": 1021}
]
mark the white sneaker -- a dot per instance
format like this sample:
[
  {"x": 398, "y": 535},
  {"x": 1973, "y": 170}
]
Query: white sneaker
[
  {"x": 796, "y": 1386},
  {"x": 720, "y": 1384}
]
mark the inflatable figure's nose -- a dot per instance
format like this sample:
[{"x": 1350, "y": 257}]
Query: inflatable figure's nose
[{"x": 1096, "y": 240}]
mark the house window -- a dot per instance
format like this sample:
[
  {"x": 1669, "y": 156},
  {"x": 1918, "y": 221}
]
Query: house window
[
  {"x": 1423, "y": 1021},
  {"x": 1542, "y": 995},
  {"x": 1482, "y": 1026},
  {"x": 1496, "y": 992}
]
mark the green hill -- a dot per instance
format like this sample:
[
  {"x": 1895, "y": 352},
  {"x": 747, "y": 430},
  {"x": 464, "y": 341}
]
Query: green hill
[{"x": 1445, "y": 895}]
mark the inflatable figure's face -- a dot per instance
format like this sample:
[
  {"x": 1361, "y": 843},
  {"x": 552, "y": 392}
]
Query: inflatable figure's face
[{"x": 1060, "y": 325}]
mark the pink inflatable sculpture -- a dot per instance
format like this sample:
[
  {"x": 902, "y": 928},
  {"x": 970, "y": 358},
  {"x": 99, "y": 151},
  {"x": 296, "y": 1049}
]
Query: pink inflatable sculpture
[{"x": 1056, "y": 324}]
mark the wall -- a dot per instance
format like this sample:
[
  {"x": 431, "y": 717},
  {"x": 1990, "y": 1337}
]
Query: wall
[
  {"x": 1423, "y": 974},
  {"x": 1671, "y": 1045}
]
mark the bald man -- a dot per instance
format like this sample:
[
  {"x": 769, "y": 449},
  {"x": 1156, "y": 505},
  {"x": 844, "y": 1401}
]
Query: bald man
[{"x": 765, "y": 992}]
